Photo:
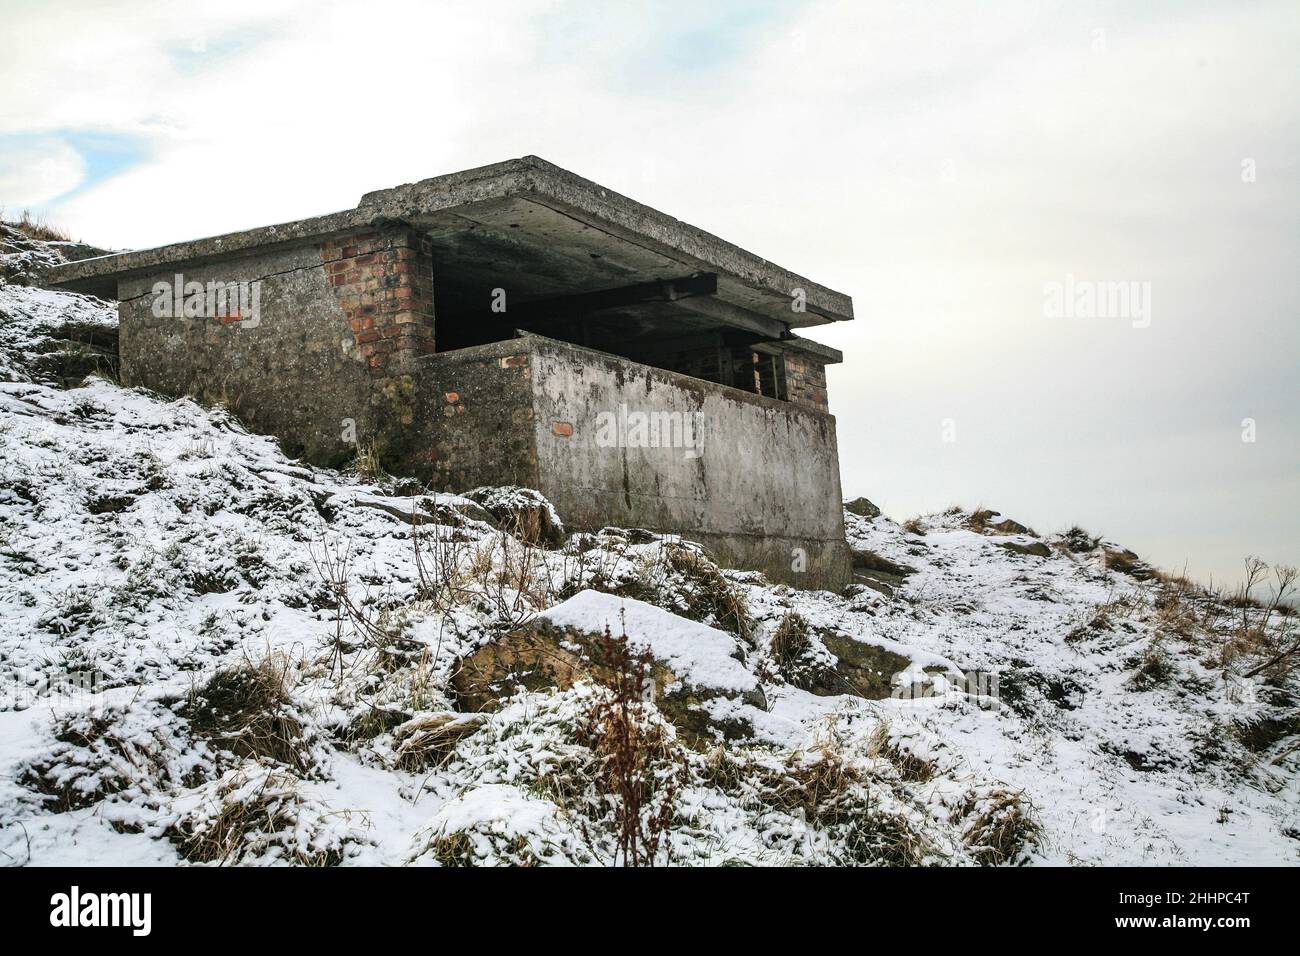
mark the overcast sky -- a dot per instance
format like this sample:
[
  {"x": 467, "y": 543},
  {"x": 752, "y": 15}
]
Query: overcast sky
[{"x": 942, "y": 163}]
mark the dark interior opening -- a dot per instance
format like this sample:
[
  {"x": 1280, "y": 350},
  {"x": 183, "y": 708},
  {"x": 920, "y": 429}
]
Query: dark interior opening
[{"x": 644, "y": 323}]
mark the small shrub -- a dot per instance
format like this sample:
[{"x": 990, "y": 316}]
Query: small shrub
[
  {"x": 910, "y": 766},
  {"x": 256, "y": 813},
  {"x": 1154, "y": 668},
  {"x": 1001, "y": 828},
  {"x": 639, "y": 768},
  {"x": 247, "y": 710},
  {"x": 100, "y": 755},
  {"x": 1078, "y": 541}
]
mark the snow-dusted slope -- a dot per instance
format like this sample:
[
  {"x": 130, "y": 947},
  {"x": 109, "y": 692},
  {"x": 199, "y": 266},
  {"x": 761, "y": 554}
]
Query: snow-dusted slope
[{"x": 154, "y": 545}]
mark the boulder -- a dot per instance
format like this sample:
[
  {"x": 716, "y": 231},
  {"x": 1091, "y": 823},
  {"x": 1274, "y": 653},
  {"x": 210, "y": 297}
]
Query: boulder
[
  {"x": 1126, "y": 562},
  {"x": 983, "y": 521},
  {"x": 865, "y": 560},
  {"x": 862, "y": 507},
  {"x": 861, "y": 669},
  {"x": 522, "y": 512},
  {"x": 1036, "y": 549}
]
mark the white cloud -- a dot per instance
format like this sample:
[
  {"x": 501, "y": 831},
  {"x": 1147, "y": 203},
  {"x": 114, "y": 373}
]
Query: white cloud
[{"x": 33, "y": 173}]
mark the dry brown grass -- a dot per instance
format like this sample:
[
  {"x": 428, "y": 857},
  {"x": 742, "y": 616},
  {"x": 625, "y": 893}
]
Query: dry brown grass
[
  {"x": 428, "y": 739},
  {"x": 1126, "y": 562},
  {"x": 247, "y": 710},
  {"x": 95, "y": 758},
  {"x": 253, "y": 816},
  {"x": 456, "y": 849},
  {"x": 368, "y": 464},
  {"x": 978, "y": 520},
  {"x": 834, "y": 793},
  {"x": 910, "y": 767},
  {"x": 1155, "y": 667},
  {"x": 37, "y": 228},
  {"x": 709, "y": 594},
  {"x": 789, "y": 645},
  {"x": 1002, "y": 828}
]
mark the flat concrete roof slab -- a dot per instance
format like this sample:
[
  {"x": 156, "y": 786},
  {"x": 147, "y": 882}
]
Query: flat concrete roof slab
[{"x": 524, "y": 224}]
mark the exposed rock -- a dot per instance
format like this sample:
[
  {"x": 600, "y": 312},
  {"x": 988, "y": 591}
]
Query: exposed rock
[
  {"x": 23, "y": 259},
  {"x": 983, "y": 521},
  {"x": 864, "y": 560},
  {"x": 878, "y": 572},
  {"x": 424, "y": 509},
  {"x": 1008, "y": 526},
  {"x": 861, "y": 669},
  {"x": 870, "y": 582},
  {"x": 1126, "y": 562},
  {"x": 1036, "y": 549},
  {"x": 690, "y": 663},
  {"x": 523, "y": 512},
  {"x": 630, "y": 535},
  {"x": 55, "y": 338},
  {"x": 862, "y": 507}
]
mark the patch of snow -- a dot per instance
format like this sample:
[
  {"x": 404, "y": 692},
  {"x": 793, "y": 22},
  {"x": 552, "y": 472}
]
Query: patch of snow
[{"x": 701, "y": 655}]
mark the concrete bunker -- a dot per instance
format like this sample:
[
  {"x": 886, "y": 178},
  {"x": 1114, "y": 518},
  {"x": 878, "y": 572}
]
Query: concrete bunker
[{"x": 517, "y": 324}]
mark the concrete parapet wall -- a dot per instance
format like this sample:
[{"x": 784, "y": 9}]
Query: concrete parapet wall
[{"x": 762, "y": 488}]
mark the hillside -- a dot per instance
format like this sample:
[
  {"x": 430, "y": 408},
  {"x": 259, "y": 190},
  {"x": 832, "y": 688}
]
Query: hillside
[{"x": 212, "y": 653}]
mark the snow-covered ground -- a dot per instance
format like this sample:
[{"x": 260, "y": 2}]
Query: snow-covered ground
[{"x": 148, "y": 546}]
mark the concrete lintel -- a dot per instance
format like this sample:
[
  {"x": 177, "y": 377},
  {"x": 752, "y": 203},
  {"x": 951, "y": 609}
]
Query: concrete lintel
[{"x": 797, "y": 343}]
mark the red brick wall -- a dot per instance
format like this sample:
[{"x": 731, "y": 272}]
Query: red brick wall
[
  {"x": 805, "y": 381},
  {"x": 383, "y": 281}
]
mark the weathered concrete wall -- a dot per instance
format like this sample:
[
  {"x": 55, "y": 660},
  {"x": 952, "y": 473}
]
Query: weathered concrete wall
[
  {"x": 326, "y": 362},
  {"x": 762, "y": 490}
]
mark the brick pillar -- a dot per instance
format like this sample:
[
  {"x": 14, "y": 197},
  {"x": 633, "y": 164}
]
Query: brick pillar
[
  {"x": 805, "y": 381},
  {"x": 383, "y": 281}
]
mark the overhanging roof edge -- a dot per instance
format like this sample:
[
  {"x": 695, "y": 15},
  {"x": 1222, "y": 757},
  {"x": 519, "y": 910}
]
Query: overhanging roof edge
[{"x": 530, "y": 178}]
